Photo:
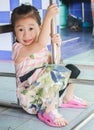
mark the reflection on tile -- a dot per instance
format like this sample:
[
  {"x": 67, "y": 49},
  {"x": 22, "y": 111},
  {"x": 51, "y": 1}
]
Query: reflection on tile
[{"x": 86, "y": 58}]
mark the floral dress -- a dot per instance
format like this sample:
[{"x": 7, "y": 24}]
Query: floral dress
[{"x": 38, "y": 83}]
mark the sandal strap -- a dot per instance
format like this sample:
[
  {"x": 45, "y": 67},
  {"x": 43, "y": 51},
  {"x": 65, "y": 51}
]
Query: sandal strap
[{"x": 53, "y": 115}]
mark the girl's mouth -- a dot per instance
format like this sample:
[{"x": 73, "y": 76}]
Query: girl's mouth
[{"x": 28, "y": 41}]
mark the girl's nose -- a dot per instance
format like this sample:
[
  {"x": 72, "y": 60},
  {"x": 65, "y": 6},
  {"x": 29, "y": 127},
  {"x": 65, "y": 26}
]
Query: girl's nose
[{"x": 26, "y": 34}]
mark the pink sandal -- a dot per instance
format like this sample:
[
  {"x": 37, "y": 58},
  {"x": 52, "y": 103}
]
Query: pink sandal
[
  {"x": 49, "y": 118},
  {"x": 74, "y": 103}
]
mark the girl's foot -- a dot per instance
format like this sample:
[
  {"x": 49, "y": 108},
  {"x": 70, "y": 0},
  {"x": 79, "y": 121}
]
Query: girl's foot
[
  {"x": 74, "y": 102},
  {"x": 52, "y": 118}
]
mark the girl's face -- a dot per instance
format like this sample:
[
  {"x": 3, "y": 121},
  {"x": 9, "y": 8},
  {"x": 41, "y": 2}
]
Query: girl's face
[{"x": 26, "y": 31}]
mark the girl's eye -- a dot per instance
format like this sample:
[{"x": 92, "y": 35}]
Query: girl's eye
[
  {"x": 20, "y": 29},
  {"x": 31, "y": 28}
]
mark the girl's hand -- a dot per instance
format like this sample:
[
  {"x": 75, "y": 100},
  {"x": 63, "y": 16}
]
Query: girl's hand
[
  {"x": 52, "y": 10},
  {"x": 56, "y": 39}
]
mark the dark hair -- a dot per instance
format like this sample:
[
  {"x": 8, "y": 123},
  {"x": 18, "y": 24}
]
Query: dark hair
[{"x": 23, "y": 11}]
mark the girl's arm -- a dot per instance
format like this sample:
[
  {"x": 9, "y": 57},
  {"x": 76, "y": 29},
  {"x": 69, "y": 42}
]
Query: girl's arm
[
  {"x": 51, "y": 12},
  {"x": 56, "y": 40},
  {"x": 58, "y": 58}
]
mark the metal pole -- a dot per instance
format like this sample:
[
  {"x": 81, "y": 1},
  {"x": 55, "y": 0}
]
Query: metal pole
[
  {"x": 84, "y": 122},
  {"x": 92, "y": 10},
  {"x": 82, "y": 81},
  {"x": 9, "y": 104},
  {"x": 53, "y": 31},
  {"x": 83, "y": 14}
]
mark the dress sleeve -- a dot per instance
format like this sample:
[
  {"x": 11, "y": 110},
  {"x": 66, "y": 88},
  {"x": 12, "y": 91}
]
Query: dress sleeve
[{"x": 15, "y": 50}]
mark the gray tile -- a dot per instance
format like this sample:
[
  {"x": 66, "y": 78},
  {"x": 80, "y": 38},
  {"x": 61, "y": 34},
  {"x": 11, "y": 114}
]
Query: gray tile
[
  {"x": 20, "y": 120},
  {"x": 70, "y": 113},
  {"x": 8, "y": 121},
  {"x": 5, "y": 128},
  {"x": 85, "y": 91},
  {"x": 36, "y": 125},
  {"x": 89, "y": 125},
  {"x": 19, "y": 113},
  {"x": 86, "y": 58},
  {"x": 2, "y": 109}
]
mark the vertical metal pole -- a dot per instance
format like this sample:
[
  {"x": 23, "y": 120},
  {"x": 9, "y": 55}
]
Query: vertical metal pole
[
  {"x": 83, "y": 13},
  {"x": 92, "y": 9},
  {"x": 53, "y": 31},
  {"x": 54, "y": 46}
]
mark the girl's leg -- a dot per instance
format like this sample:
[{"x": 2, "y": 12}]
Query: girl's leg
[
  {"x": 70, "y": 88},
  {"x": 54, "y": 113},
  {"x": 69, "y": 93},
  {"x": 51, "y": 116}
]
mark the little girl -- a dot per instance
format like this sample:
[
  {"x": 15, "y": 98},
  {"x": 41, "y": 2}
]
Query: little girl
[{"x": 38, "y": 83}]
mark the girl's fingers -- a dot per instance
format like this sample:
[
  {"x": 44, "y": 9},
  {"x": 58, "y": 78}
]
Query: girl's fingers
[{"x": 56, "y": 39}]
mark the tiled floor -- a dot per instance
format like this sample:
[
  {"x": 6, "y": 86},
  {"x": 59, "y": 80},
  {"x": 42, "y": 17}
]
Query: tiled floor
[
  {"x": 77, "y": 44},
  {"x": 17, "y": 119}
]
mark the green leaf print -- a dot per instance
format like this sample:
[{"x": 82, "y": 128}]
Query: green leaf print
[
  {"x": 44, "y": 63},
  {"x": 32, "y": 56},
  {"x": 24, "y": 92},
  {"x": 40, "y": 92},
  {"x": 45, "y": 79}
]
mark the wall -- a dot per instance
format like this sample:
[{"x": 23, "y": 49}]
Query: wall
[{"x": 75, "y": 9}]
